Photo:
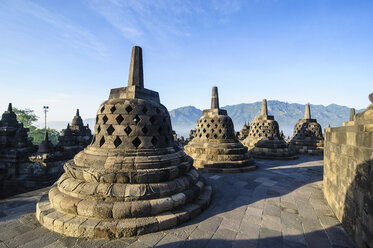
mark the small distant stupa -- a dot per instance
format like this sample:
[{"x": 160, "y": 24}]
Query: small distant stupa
[
  {"x": 307, "y": 137},
  {"x": 215, "y": 147},
  {"x": 264, "y": 140}
]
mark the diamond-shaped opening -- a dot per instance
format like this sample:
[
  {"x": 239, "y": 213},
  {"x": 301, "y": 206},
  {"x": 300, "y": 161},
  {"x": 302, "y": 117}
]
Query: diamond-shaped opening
[
  {"x": 93, "y": 140},
  {"x": 119, "y": 119},
  {"x": 96, "y": 118},
  {"x": 160, "y": 130},
  {"x": 110, "y": 130},
  {"x": 152, "y": 120},
  {"x": 112, "y": 109},
  {"x": 105, "y": 119},
  {"x": 205, "y": 120},
  {"x": 102, "y": 109},
  {"x": 212, "y": 121},
  {"x": 136, "y": 142},
  {"x": 102, "y": 141},
  {"x": 128, "y": 130},
  {"x": 204, "y": 130},
  {"x": 144, "y": 130},
  {"x": 224, "y": 136},
  {"x": 157, "y": 110},
  {"x": 208, "y": 125},
  {"x": 128, "y": 109},
  {"x": 154, "y": 141},
  {"x": 144, "y": 110},
  {"x": 200, "y": 135},
  {"x": 215, "y": 136},
  {"x": 207, "y": 135},
  {"x": 98, "y": 129},
  {"x": 117, "y": 141},
  {"x": 223, "y": 125},
  {"x": 212, "y": 130},
  {"x": 136, "y": 119},
  {"x": 216, "y": 125}
]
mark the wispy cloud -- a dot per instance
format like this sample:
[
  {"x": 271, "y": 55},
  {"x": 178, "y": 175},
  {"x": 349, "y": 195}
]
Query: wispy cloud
[
  {"x": 75, "y": 35},
  {"x": 162, "y": 18}
]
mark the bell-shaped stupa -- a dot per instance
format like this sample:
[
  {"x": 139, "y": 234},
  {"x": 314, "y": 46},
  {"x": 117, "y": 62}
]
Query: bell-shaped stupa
[
  {"x": 307, "y": 137},
  {"x": 264, "y": 140},
  {"x": 215, "y": 147},
  {"x": 132, "y": 179}
]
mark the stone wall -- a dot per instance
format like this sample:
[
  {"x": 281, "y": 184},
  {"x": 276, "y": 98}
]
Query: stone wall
[{"x": 348, "y": 178}]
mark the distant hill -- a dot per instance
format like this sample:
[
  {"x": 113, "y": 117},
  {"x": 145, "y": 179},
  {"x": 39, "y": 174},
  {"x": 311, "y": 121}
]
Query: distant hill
[{"x": 287, "y": 114}]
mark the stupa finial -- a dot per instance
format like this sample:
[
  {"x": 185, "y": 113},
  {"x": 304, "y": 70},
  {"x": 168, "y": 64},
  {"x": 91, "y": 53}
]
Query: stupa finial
[
  {"x": 136, "y": 75},
  {"x": 371, "y": 97},
  {"x": 46, "y": 136},
  {"x": 77, "y": 112},
  {"x": 352, "y": 114},
  {"x": 10, "y": 108},
  {"x": 264, "y": 107},
  {"x": 214, "y": 98},
  {"x": 307, "y": 112}
]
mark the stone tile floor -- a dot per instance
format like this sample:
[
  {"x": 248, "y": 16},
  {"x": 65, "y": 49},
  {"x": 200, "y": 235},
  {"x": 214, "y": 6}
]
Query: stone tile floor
[{"x": 279, "y": 205}]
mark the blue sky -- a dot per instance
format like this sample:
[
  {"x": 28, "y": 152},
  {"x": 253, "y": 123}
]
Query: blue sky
[{"x": 69, "y": 54}]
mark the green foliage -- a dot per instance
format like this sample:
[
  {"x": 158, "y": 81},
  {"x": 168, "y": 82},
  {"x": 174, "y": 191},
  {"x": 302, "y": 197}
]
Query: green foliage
[
  {"x": 25, "y": 116},
  {"x": 38, "y": 135},
  {"x": 28, "y": 117}
]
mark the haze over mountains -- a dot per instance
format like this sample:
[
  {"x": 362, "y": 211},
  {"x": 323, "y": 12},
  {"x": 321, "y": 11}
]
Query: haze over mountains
[{"x": 287, "y": 114}]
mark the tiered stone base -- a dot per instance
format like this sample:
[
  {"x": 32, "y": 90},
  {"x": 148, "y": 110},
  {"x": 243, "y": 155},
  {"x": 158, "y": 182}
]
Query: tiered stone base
[
  {"x": 308, "y": 147},
  {"x": 79, "y": 226},
  {"x": 220, "y": 157},
  {"x": 269, "y": 148}
]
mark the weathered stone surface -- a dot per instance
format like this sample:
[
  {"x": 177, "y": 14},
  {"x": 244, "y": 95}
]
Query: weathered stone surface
[
  {"x": 265, "y": 140},
  {"x": 307, "y": 137},
  {"x": 215, "y": 147},
  {"x": 348, "y": 175},
  {"x": 129, "y": 175}
]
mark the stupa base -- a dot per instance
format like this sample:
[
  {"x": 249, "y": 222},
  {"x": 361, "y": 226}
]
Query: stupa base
[
  {"x": 81, "y": 227},
  {"x": 228, "y": 170}
]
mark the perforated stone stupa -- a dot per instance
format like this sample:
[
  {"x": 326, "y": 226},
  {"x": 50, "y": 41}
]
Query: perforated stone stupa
[
  {"x": 307, "y": 137},
  {"x": 132, "y": 179},
  {"x": 75, "y": 137},
  {"x": 215, "y": 147},
  {"x": 264, "y": 140}
]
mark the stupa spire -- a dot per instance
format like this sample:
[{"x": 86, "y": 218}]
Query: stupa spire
[
  {"x": 214, "y": 98},
  {"x": 307, "y": 112},
  {"x": 46, "y": 136},
  {"x": 77, "y": 112},
  {"x": 352, "y": 114},
  {"x": 10, "y": 108},
  {"x": 264, "y": 107},
  {"x": 136, "y": 74}
]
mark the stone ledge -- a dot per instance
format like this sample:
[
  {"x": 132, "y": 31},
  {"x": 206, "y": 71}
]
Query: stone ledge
[
  {"x": 80, "y": 227},
  {"x": 228, "y": 170}
]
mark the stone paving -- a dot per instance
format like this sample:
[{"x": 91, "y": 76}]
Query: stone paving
[{"x": 279, "y": 205}]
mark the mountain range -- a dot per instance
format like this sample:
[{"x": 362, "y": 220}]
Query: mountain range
[{"x": 286, "y": 114}]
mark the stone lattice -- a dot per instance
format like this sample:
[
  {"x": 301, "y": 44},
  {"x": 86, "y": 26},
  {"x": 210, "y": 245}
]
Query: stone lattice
[
  {"x": 307, "y": 137},
  {"x": 132, "y": 179},
  {"x": 348, "y": 174},
  {"x": 215, "y": 147},
  {"x": 265, "y": 140}
]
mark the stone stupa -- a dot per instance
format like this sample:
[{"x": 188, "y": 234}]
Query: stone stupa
[
  {"x": 215, "y": 147},
  {"x": 264, "y": 140},
  {"x": 307, "y": 137},
  {"x": 75, "y": 137},
  {"x": 132, "y": 179}
]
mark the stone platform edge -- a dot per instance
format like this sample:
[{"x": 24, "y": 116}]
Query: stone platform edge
[
  {"x": 227, "y": 170},
  {"x": 80, "y": 227}
]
